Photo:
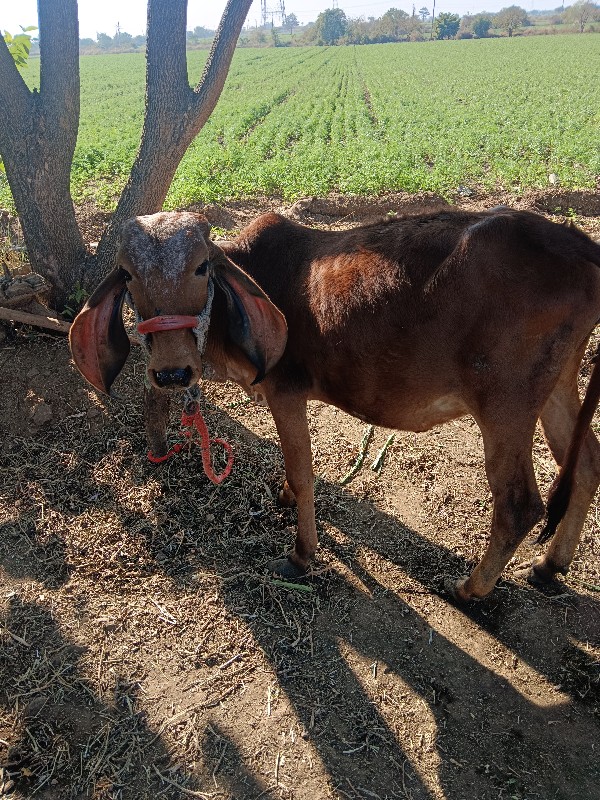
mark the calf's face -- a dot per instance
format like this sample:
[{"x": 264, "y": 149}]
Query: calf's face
[
  {"x": 170, "y": 269},
  {"x": 166, "y": 260}
]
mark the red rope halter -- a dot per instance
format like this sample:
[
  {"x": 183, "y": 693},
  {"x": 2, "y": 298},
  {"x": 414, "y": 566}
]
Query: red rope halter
[
  {"x": 171, "y": 322},
  {"x": 191, "y": 417}
]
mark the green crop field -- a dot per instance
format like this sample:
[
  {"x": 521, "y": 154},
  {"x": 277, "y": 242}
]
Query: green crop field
[{"x": 497, "y": 113}]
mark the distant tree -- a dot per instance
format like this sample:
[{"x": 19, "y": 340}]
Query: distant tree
[
  {"x": 580, "y": 13},
  {"x": 423, "y": 13},
  {"x": 481, "y": 25},
  {"x": 139, "y": 40},
  {"x": 511, "y": 19},
  {"x": 466, "y": 23},
  {"x": 331, "y": 25},
  {"x": 123, "y": 40},
  {"x": 308, "y": 33},
  {"x": 393, "y": 25},
  {"x": 446, "y": 25},
  {"x": 258, "y": 38},
  {"x": 291, "y": 22},
  {"x": 87, "y": 42},
  {"x": 105, "y": 41},
  {"x": 203, "y": 33},
  {"x": 359, "y": 31}
]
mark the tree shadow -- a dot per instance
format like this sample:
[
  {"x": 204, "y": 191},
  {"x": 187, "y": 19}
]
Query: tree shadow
[{"x": 67, "y": 741}]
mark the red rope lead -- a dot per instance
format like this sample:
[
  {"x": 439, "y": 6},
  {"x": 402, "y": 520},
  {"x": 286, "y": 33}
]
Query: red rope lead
[{"x": 189, "y": 423}]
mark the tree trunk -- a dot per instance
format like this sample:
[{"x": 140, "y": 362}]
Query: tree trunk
[
  {"x": 38, "y": 137},
  {"x": 37, "y": 142}
]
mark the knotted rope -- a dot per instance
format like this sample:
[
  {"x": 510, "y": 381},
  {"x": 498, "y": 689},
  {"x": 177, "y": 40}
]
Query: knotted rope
[{"x": 192, "y": 422}]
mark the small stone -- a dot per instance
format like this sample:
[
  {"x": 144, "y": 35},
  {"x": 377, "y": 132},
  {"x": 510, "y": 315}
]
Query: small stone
[
  {"x": 93, "y": 412},
  {"x": 553, "y": 179},
  {"x": 42, "y": 414}
]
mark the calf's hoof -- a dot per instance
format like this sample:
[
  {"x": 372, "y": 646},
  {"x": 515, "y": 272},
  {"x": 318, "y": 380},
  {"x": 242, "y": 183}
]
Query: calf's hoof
[
  {"x": 538, "y": 572},
  {"x": 286, "y": 568},
  {"x": 286, "y": 497},
  {"x": 456, "y": 590},
  {"x": 158, "y": 447}
]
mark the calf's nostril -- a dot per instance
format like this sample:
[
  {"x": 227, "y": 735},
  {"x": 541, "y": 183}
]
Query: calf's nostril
[{"x": 173, "y": 377}]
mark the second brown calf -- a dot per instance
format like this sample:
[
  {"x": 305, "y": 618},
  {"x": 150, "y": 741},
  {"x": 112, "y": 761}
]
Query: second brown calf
[{"x": 406, "y": 323}]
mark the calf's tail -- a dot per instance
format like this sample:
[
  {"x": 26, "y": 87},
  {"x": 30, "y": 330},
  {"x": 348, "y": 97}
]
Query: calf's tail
[{"x": 560, "y": 493}]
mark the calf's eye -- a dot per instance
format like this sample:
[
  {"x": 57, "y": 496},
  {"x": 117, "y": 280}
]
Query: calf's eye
[
  {"x": 202, "y": 269},
  {"x": 126, "y": 274}
]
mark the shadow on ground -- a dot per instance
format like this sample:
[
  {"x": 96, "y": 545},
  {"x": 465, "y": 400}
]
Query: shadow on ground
[{"x": 146, "y": 652}]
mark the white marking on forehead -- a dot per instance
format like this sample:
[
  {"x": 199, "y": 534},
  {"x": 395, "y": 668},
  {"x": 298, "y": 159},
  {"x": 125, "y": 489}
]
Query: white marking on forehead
[{"x": 163, "y": 242}]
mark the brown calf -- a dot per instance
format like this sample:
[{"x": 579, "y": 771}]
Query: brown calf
[{"x": 405, "y": 323}]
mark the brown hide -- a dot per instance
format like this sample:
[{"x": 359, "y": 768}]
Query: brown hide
[{"x": 408, "y": 323}]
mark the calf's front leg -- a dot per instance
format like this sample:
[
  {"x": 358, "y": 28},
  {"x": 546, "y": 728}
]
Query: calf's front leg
[
  {"x": 289, "y": 414},
  {"x": 156, "y": 419}
]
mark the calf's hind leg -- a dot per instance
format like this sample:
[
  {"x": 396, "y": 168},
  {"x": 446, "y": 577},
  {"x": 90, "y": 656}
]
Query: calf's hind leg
[
  {"x": 517, "y": 502},
  {"x": 558, "y": 421}
]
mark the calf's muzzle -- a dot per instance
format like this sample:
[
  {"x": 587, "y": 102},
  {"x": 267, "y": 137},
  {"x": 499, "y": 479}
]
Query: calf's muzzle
[{"x": 166, "y": 378}]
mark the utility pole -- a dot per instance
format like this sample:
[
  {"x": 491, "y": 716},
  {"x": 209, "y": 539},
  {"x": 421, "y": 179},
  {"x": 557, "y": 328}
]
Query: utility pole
[{"x": 265, "y": 13}]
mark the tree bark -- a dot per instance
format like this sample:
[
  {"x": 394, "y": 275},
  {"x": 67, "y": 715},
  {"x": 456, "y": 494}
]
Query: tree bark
[{"x": 37, "y": 140}]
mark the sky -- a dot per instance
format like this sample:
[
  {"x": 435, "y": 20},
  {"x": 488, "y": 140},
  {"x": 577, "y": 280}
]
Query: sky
[{"x": 102, "y": 17}]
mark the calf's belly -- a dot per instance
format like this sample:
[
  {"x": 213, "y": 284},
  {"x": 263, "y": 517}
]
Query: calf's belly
[{"x": 401, "y": 410}]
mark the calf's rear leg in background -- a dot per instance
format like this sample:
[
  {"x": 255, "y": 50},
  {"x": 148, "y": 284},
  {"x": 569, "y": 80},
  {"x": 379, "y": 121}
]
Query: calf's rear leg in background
[
  {"x": 558, "y": 420},
  {"x": 517, "y": 502}
]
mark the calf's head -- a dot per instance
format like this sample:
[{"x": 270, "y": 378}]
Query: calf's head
[{"x": 171, "y": 269}]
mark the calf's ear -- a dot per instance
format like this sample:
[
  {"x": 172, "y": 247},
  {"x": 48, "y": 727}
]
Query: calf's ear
[
  {"x": 254, "y": 323},
  {"x": 98, "y": 340}
]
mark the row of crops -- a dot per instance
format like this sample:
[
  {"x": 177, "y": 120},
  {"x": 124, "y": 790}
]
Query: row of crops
[{"x": 434, "y": 115}]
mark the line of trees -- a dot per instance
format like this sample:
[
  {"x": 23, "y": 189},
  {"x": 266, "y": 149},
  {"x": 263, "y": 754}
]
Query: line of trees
[{"x": 333, "y": 27}]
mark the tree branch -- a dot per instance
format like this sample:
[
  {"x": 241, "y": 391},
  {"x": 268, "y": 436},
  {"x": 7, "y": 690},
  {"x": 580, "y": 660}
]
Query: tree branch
[
  {"x": 14, "y": 94},
  {"x": 59, "y": 70},
  {"x": 166, "y": 64},
  {"x": 14, "y": 315},
  {"x": 209, "y": 88}
]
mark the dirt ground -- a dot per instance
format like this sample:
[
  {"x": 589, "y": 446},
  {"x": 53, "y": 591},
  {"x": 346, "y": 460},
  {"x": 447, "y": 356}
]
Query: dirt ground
[{"x": 146, "y": 652}]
